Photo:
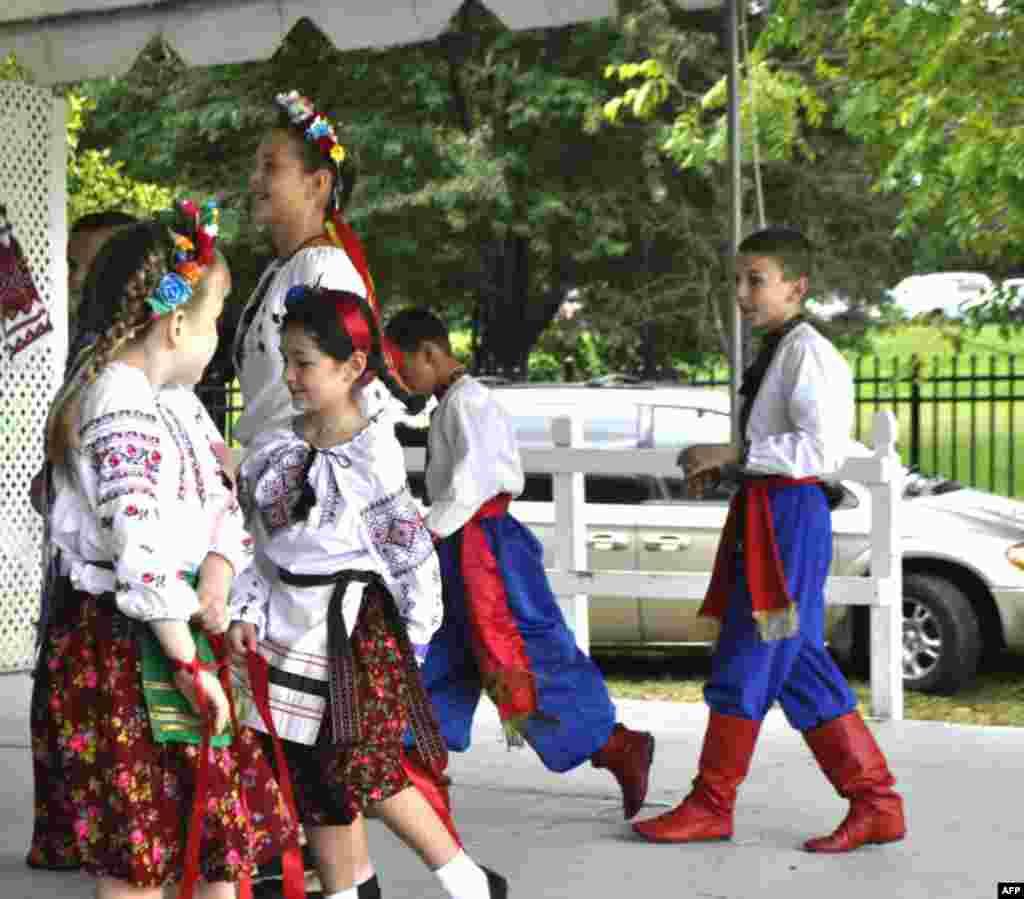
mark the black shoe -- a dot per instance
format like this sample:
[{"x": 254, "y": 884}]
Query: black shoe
[
  {"x": 496, "y": 884},
  {"x": 269, "y": 889},
  {"x": 68, "y": 866}
]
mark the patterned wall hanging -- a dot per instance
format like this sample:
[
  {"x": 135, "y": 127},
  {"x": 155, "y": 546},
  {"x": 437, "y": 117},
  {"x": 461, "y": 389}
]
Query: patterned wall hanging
[{"x": 24, "y": 317}]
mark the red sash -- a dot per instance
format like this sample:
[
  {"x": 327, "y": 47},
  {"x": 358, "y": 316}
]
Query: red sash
[
  {"x": 497, "y": 644},
  {"x": 772, "y": 606}
]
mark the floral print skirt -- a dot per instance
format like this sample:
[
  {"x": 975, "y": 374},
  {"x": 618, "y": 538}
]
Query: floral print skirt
[
  {"x": 123, "y": 808},
  {"x": 334, "y": 784}
]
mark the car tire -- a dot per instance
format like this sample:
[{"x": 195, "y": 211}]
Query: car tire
[
  {"x": 941, "y": 621},
  {"x": 941, "y": 636}
]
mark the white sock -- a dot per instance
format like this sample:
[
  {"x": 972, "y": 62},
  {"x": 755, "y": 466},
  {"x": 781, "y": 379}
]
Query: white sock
[
  {"x": 462, "y": 878},
  {"x": 350, "y": 893}
]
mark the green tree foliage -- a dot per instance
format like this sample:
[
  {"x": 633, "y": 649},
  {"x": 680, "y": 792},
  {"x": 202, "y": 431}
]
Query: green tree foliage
[
  {"x": 933, "y": 89},
  {"x": 95, "y": 183},
  {"x": 798, "y": 164},
  {"x": 485, "y": 190}
]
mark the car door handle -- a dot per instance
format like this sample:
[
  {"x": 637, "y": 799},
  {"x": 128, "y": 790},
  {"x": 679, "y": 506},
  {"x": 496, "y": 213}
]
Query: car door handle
[
  {"x": 666, "y": 543},
  {"x": 608, "y": 541}
]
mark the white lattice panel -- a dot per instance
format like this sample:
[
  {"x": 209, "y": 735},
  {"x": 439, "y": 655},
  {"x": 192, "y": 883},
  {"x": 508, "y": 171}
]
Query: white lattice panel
[{"x": 33, "y": 187}]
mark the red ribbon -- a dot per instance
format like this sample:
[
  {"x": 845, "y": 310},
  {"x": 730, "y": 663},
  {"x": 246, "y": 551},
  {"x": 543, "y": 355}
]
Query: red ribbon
[
  {"x": 202, "y": 786},
  {"x": 292, "y": 867},
  {"x": 352, "y": 245}
]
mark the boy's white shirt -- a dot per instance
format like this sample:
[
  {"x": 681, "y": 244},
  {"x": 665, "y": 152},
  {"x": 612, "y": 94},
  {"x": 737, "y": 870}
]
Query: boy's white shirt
[
  {"x": 474, "y": 455},
  {"x": 803, "y": 414}
]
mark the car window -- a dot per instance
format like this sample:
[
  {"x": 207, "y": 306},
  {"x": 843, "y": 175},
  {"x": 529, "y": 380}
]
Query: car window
[
  {"x": 610, "y": 489},
  {"x": 534, "y": 431},
  {"x": 619, "y": 489}
]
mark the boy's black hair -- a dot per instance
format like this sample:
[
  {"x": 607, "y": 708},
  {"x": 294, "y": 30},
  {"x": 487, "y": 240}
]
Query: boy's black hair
[
  {"x": 111, "y": 218},
  {"x": 410, "y": 327},
  {"x": 788, "y": 245}
]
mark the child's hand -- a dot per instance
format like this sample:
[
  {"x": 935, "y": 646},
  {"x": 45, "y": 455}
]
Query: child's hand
[
  {"x": 242, "y": 640},
  {"x": 215, "y": 576},
  {"x": 217, "y": 709},
  {"x": 702, "y": 465}
]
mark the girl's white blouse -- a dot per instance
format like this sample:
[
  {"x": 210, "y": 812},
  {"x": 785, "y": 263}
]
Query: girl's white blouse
[
  {"x": 364, "y": 519},
  {"x": 257, "y": 347},
  {"x": 146, "y": 493}
]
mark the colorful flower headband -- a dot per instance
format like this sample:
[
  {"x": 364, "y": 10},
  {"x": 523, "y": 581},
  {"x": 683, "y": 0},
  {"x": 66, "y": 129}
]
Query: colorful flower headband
[
  {"x": 314, "y": 126},
  {"x": 193, "y": 254}
]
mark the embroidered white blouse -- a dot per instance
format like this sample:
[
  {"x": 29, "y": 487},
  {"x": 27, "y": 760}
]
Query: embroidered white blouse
[
  {"x": 364, "y": 519},
  {"x": 802, "y": 416},
  {"x": 473, "y": 455},
  {"x": 145, "y": 491},
  {"x": 257, "y": 346}
]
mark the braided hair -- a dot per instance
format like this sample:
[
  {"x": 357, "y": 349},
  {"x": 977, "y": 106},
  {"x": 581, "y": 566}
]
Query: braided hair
[{"x": 318, "y": 312}]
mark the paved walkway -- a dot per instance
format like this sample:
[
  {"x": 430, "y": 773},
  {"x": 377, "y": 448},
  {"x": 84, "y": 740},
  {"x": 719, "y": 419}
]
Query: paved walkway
[{"x": 562, "y": 836}]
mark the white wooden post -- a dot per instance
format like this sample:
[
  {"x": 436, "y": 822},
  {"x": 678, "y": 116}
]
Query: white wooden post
[
  {"x": 887, "y": 574},
  {"x": 571, "y": 528}
]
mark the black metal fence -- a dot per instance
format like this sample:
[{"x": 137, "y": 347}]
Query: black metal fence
[{"x": 957, "y": 415}]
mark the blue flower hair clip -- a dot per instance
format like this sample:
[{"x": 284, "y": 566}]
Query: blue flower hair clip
[{"x": 194, "y": 238}]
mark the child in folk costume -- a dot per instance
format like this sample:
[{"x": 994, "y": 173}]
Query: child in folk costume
[
  {"x": 503, "y": 629},
  {"x": 301, "y": 182},
  {"x": 767, "y": 588},
  {"x": 140, "y": 513},
  {"x": 343, "y": 600}
]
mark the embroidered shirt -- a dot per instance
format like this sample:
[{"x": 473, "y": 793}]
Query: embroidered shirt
[
  {"x": 473, "y": 453},
  {"x": 146, "y": 491},
  {"x": 257, "y": 346},
  {"x": 802, "y": 416}
]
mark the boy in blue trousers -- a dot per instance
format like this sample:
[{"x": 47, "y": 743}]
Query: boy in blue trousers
[
  {"x": 503, "y": 630},
  {"x": 767, "y": 588}
]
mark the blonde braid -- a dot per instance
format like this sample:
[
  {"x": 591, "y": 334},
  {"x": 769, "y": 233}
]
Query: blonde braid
[{"x": 131, "y": 319}]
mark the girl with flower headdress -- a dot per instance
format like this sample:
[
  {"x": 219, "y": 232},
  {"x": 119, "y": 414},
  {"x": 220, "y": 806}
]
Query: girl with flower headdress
[
  {"x": 301, "y": 182},
  {"x": 342, "y": 601},
  {"x": 161, "y": 785},
  {"x": 302, "y": 179}
]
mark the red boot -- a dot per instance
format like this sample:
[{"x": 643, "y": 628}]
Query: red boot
[
  {"x": 706, "y": 814},
  {"x": 434, "y": 788},
  {"x": 628, "y": 755},
  {"x": 848, "y": 754}
]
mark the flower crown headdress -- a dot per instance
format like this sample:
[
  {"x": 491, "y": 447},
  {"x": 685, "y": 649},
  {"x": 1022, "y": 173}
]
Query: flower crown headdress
[
  {"x": 315, "y": 128},
  {"x": 195, "y": 237}
]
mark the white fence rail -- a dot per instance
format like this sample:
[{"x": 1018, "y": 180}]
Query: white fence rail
[{"x": 881, "y": 591}]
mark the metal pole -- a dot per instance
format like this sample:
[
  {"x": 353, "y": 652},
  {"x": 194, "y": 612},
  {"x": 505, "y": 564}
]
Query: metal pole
[{"x": 735, "y": 213}]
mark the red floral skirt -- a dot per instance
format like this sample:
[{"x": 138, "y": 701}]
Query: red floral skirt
[
  {"x": 335, "y": 783},
  {"x": 124, "y": 808}
]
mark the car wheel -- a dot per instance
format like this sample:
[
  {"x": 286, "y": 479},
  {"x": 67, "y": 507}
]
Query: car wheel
[{"x": 941, "y": 636}]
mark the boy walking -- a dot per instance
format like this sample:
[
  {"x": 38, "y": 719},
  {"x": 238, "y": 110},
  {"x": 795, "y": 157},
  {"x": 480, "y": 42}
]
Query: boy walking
[
  {"x": 767, "y": 588},
  {"x": 503, "y": 630}
]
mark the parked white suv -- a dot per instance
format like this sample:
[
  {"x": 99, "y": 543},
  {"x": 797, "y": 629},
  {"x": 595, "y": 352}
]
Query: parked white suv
[{"x": 961, "y": 594}]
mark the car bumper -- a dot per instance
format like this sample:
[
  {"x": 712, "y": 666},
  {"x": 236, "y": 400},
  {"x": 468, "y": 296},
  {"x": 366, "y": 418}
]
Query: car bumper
[{"x": 1010, "y": 603}]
